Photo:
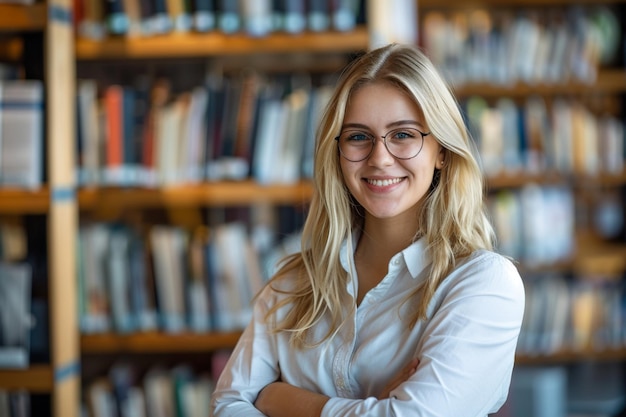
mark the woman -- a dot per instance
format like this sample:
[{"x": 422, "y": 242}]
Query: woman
[{"x": 397, "y": 305}]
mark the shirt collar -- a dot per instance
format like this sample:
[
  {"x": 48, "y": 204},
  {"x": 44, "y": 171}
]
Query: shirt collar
[{"x": 415, "y": 255}]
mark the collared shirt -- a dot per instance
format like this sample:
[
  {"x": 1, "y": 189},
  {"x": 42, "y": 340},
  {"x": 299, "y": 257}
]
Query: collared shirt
[{"x": 466, "y": 346}]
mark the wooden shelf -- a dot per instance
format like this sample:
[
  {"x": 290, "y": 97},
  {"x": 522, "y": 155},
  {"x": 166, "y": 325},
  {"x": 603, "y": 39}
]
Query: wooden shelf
[
  {"x": 218, "y": 194},
  {"x": 16, "y": 17},
  {"x": 570, "y": 356},
  {"x": 37, "y": 378},
  {"x": 157, "y": 342},
  {"x": 516, "y": 180},
  {"x": 609, "y": 81},
  {"x": 430, "y": 4},
  {"x": 16, "y": 201},
  {"x": 219, "y": 44}
]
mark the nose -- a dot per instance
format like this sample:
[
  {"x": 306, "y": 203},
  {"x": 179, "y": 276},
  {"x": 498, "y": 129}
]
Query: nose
[{"x": 380, "y": 156}]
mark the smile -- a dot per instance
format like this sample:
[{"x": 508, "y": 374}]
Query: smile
[{"x": 385, "y": 182}]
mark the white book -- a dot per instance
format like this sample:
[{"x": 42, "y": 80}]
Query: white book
[
  {"x": 21, "y": 136},
  {"x": 391, "y": 21},
  {"x": 89, "y": 134},
  {"x": 296, "y": 107},
  {"x": 269, "y": 137},
  {"x": 196, "y": 131},
  {"x": 168, "y": 244}
]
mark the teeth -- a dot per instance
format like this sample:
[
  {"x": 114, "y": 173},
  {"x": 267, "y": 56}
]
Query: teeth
[{"x": 384, "y": 183}]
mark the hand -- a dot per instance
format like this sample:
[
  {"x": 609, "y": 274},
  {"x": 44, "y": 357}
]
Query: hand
[{"x": 399, "y": 378}]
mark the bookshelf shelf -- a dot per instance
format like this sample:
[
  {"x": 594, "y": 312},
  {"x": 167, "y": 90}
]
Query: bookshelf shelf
[
  {"x": 219, "y": 44},
  {"x": 207, "y": 194},
  {"x": 16, "y": 17},
  {"x": 15, "y": 201},
  {"x": 572, "y": 356},
  {"x": 157, "y": 342},
  {"x": 609, "y": 81},
  {"x": 34, "y": 379},
  {"x": 507, "y": 180},
  {"x": 428, "y": 4}
]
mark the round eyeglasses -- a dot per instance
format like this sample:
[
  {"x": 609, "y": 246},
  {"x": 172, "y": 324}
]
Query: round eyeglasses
[{"x": 402, "y": 143}]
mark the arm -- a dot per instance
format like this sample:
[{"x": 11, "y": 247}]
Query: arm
[
  {"x": 252, "y": 366},
  {"x": 280, "y": 399},
  {"x": 466, "y": 348}
]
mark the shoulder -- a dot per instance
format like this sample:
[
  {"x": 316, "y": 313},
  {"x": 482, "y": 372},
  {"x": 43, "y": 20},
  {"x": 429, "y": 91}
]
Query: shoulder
[{"x": 487, "y": 271}]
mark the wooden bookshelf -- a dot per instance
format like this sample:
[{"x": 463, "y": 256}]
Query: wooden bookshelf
[
  {"x": 18, "y": 201},
  {"x": 609, "y": 81},
  {"x": 38, "y": 379},
  {"x": 467, "y": 4},
  {"x": 573, "y": 356},
  {"x": 156, "y": 342},
  {"x": 218, "y": 194},
  {"x": 219, "y": 44},
  {"x": 16, "y": 17}
]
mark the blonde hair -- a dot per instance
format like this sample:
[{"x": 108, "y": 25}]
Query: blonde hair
[{"x": 453, "y": 219}]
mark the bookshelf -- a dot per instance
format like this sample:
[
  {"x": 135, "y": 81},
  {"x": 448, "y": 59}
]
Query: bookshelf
[
  {"x": 57, "y": 379},
  {"x": 564, "y": 327},
  {"x": 191, "y": 207}
]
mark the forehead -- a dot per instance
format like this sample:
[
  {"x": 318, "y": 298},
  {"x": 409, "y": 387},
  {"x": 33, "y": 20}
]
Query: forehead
[{"x": 381, "y": 103}]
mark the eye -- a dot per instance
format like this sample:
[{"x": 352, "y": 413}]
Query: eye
[
  {"x": 355, "y": 136},
  {"x": 403, "y": 134}
]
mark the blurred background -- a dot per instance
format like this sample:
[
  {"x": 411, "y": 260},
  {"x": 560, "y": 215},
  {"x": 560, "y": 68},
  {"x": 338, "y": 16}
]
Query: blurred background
[{"x": 156, "y": 164}]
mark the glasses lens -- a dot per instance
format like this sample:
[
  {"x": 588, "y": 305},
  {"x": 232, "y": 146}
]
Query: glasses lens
[
  {"x": 355, "y": 145},
  {"x": 403, "y": 143}
]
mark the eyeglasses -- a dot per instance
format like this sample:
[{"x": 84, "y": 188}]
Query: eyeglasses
[{"x": 402, "y": 143}]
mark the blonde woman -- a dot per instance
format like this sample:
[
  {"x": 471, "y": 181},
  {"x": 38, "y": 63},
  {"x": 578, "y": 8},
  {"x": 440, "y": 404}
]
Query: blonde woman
[{"x": 397, "y": 304}]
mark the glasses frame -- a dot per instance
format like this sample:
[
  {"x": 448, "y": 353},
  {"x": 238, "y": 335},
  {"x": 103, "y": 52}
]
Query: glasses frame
[{"x": 384, "y": 138}]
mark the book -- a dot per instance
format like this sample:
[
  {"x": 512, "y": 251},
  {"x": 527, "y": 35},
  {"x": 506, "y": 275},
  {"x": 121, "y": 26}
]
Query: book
[
  {"x": 256, "y": 17},
  {"x": 168, "y": 247},
  {"x": 318, "y": 15},
  {"x": 21, "y": 133},
  {"x": 15, "y": 318},
  {"x": 88, "y": 135},
  {"x": 391, "y": 21},
  {"x": 95, "y": 313},
  {"x": 344, "y": 14},
  {"x": 204, "y": 15},
  {"x": 228, "y": 16},
  {"x": 116, "y": 17}
]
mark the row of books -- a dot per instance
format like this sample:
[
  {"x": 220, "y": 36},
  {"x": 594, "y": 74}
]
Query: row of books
[
  {"x": 232, "y": 128},
  {"x": 15, "y": 404},
  {"x": 534, "y": 224},
  {"x": 21, "y": 133},
  {"x": 95, "y": 19},
  {"x": 582, "y": 314},
  {"x": 534, "y": 136},
  {"x": 169, "y": 280},
  {"x": 165, "y": 391},
  {"x": 532, "y": 45}
]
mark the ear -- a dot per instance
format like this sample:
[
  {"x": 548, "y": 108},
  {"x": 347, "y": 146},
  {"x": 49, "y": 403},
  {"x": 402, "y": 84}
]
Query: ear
[{"x": 441, "y": 159}]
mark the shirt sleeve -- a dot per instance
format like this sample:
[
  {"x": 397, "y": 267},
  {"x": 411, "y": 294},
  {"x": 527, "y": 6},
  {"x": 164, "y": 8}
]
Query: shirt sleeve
[
  {"x": 251, "y": 367},
  {"x": 467, "y": 350}
]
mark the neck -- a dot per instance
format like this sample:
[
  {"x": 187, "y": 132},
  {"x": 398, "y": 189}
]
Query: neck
[{"x": 384, "y": 238}]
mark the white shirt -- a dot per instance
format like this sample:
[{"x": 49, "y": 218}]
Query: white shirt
[{"x": 466, "y": 346}]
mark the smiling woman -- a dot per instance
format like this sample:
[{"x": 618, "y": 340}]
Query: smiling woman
[{"x": 396, "y": 267}]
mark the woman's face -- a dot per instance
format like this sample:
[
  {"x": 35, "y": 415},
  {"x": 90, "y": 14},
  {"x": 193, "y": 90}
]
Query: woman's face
[{"x": 388, "y": 187}]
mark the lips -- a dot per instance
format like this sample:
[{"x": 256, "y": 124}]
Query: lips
[{"x": 384, "y": 183}]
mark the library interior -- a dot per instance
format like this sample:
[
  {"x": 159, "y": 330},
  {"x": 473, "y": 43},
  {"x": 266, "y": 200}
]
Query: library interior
[{"x": 156, "y": 161}]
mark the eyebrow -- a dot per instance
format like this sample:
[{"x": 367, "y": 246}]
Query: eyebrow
[{"x": 388, "y": 126}]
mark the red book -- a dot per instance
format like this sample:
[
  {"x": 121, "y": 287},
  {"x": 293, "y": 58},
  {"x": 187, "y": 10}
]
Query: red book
[{"x": 113, "y": 100}]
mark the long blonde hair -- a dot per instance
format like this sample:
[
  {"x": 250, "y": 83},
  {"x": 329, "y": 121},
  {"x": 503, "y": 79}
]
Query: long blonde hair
[{"x": 453, "y": 219}]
